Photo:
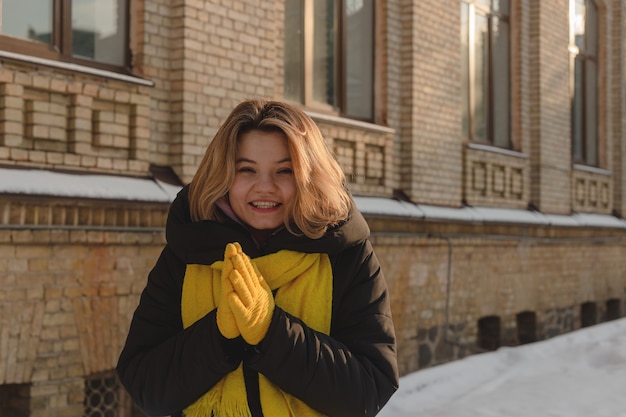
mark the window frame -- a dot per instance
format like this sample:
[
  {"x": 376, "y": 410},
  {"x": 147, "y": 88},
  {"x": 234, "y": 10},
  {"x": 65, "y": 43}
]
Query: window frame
[
  {"x": 60, "y": 48},
  {"x": 340, "y": 66},
  {"x": 489, "y": 13}
]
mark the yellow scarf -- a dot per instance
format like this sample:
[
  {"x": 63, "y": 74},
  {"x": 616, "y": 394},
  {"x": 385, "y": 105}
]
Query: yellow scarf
[{"x": 304, "y": 283}]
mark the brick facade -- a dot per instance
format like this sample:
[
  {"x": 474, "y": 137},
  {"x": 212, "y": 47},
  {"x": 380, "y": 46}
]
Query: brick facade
[{"x": 72, "y": 269}]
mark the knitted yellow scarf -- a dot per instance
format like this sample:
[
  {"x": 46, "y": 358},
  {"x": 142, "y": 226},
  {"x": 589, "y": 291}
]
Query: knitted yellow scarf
[{"x": 304, "y": 283}]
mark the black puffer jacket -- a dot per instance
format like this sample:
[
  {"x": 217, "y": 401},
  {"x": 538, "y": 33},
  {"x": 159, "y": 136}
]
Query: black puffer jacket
[{"x": 351, "y": 372}]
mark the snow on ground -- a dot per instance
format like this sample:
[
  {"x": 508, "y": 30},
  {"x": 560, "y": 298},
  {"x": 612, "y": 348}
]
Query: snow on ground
[{"x": 582, "y": 373}]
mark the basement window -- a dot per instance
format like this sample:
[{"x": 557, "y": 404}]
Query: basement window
[
  {"x": 15, "y": 400},
  {"x": 489, "y": 333},
  {"x": 102, "y": 395},
  {"x": 613, "y": 309},
  {"x": 588, "y": 314},
  {"x": 526, "y": 327}
]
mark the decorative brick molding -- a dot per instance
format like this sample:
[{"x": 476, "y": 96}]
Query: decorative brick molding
[
  {"x": 591, "y": 190},
  {"x": 78, "y": 122},
  {"x": 495, "y": 177},
  {"x": 364, "y": 151},
  {"x": 66, "y": 213}
]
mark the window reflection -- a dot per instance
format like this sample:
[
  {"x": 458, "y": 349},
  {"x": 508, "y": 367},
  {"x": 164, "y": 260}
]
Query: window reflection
[
  {"x": 28, "y": 19},
  {"x": 584, "y": 48},
  {"x": 324, "y": 52},
  {"x": 294, "y": 50},
  {"x": 481, "y": 34},
  {"x": 90, "y": 32},
  {"x": 501, "y": 82},
  {"x": 465, "y": 72},
  {"x": 98, "y": 30},
  {"x": 329, "y": 55},
  {"x": 485, "y": 77},
  {"x": 359, "y": 58}
]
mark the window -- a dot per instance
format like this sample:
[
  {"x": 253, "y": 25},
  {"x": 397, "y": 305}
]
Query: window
[
  {"x": 485, "y": 76},
  {"x": 329, "y": 55},
  {"x": 88, "y": 32},
  {"x": 584, "y": 50}
]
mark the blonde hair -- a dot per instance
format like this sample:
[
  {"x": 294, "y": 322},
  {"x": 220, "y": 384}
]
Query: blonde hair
[{"x": 322, "y": 199}]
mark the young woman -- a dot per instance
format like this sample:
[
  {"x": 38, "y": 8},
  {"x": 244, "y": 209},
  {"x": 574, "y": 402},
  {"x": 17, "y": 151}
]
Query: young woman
[{"x": 268, "y": 299}]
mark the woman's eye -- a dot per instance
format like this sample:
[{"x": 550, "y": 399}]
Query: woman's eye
[
  {"x": 245, "y": 169},
  {"x": 285, "y": 171}
]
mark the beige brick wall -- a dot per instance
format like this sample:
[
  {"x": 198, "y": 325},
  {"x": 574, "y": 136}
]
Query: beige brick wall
[
  {"x": 67, "y": 297},
  {"x": 430, "y": 112},
  {"x": 618, "y": 88},
  {"x": 226, "y": 52},
  {"x": 493, "y": 270},
  {"x": 550, "y": 111},
  {"x": 154, "y": 56},
  {"x": 395, "y": 106}
]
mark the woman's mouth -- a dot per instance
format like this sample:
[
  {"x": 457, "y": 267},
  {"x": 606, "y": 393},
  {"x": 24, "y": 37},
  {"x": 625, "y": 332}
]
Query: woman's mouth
[{"x": 264, "y": 205}]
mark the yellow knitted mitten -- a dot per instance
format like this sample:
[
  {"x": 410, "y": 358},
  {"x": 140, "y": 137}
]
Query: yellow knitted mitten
[
  {"x": 226, "y": 322},
  {"x": 252, "y": 302}
]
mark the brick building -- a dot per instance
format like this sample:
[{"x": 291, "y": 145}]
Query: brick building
[{"x": 484, "y": 141}]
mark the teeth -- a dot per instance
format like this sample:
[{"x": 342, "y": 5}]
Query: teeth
[{"x": 264, "y": 204}]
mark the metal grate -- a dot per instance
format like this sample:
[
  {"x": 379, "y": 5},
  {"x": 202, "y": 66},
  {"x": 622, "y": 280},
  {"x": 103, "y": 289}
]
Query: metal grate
[{"x": 102, "y": 395}]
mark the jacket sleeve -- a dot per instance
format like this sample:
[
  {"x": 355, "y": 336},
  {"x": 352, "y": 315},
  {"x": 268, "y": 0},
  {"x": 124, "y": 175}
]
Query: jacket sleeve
[
  {"x": 351, "y": 372},
  {"x": 163, "y": 367}
]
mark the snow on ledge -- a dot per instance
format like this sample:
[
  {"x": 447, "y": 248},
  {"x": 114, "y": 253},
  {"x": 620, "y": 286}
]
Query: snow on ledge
[
  {"x": 389, "y": 207},
  {"x": 105, "y": 187},
  {"x": 41, "y": 182}
]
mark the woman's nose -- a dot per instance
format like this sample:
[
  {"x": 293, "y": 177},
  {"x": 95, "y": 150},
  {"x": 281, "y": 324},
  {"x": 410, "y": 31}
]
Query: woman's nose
[{"x": 266, "y": 182}]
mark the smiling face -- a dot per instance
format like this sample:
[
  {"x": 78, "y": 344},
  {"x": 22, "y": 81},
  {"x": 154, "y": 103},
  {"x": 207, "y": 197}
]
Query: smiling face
[{"x": 264, "y": 183}]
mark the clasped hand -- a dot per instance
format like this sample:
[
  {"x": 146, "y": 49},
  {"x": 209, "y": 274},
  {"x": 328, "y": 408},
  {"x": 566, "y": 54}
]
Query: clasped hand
[{"x": 246, "y": 302}]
